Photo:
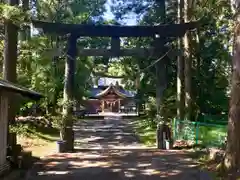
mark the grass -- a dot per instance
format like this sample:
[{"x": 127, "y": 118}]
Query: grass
[
  {"x": 212, "y": 135},
  {"x": 145, "y": 130},
  {"x": 35, "y": 131},
  {"x": 204, "y": 134},
  {"x": 208, "y": 135},
  {"x": 46, "y": 133},
  {"x": 147, "y": 133},
  {"x": 39, "y": 140}
]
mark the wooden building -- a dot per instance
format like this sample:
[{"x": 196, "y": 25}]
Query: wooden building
[
  {"x": 6, "y": 89},
  {"x": 109, "y": 95}
]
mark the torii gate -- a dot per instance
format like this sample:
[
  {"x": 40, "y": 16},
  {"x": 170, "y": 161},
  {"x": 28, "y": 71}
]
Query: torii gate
[{"x": 115, "y": 32}]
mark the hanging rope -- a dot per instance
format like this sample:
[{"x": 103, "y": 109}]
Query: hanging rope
[
  {"x": 137, "y": 81},
  {"x": 156, "y": 61}
]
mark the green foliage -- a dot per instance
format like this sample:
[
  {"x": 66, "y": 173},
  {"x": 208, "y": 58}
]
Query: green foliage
[
  {"x": 41, "y": 59},
  {"x": 145, "y": 128},
  {"x": 31, "y": 131},
  {"x": 211, "y": 49},
  {"x": 204, "y": 134},
  {"x": 14, "y": 13},
  {"x": 21, "y": 129}
]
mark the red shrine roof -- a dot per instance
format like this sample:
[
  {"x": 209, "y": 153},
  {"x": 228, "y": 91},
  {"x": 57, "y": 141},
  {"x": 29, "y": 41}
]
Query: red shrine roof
[{"x": 109, "y": 89}]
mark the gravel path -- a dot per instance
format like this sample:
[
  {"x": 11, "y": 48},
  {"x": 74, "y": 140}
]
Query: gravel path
[{"x": 108, "y": 150}]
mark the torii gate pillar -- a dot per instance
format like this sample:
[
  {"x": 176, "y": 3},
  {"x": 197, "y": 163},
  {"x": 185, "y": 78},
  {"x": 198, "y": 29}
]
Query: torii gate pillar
[{"x": 67, "y": 134}]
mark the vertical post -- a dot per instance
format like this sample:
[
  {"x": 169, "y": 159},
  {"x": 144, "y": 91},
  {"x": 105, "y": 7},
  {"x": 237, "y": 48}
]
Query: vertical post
[
  {"x": 197, "y": 133},
  {"x": 119, "y": 105},
  {"x": 68, "y": 95},
  {"x": 115, "y": 45},
  {"x": 103, "y": 106},
  {"x": 174, "y": 128},
  {"x": 111, "y": 107},
  {"x": 160, "y": 72},
  {"x": 160, "y": 87}
]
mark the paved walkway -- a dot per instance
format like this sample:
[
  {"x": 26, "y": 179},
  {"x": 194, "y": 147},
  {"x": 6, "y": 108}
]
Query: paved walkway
[{"x": 108, "y": 150}]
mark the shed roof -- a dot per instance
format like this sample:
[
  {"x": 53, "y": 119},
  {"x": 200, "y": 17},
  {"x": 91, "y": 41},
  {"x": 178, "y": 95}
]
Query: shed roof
[{"x": 9, "y": 86}]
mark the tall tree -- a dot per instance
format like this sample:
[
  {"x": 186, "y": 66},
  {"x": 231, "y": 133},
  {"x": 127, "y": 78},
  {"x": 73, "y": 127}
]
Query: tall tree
[
  {"x": 180, "y": 67},
  {"x": 24, "y": 33},
  {"x": 232, "y": 159},
  {"x": 188, "y": 63},
  {"x": 10, "y": 63}
]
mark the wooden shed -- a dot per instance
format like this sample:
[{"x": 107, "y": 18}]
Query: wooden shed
[{"x": 8, "y": 88}]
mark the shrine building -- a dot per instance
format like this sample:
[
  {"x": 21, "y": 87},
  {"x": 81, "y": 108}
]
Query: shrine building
[{"x": 109, "y": 96}]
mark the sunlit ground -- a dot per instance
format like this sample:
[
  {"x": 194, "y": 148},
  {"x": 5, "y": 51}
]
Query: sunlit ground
[
  {"x": 109, "y": 149},
  {"x": 118, "y": 164},
  {"x": 37, "y": 146}
]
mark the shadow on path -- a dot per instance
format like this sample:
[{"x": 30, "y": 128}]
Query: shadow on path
[
  {"x": 118, "y": 164},
  {"x": 109, "y": 133},
  {"x": 109, "y": 150}
]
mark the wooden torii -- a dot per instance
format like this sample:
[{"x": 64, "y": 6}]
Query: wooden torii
[
  {"x": 115, "y": 32},
  {"x": 76, "y": 31}
]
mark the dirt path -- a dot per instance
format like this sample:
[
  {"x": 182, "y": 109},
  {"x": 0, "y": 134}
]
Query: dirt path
[
  {"x": 108, "y": 150},
  {"x": 108, "y": 133}
]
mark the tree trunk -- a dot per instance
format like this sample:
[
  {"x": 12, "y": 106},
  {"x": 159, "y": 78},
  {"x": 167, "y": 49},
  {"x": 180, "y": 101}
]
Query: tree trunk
[
  {"x": 180, "y": 68},
  {"x": 232, "y": 158},
  {"x": 10, "y": 64},
  {"x": 55, "y": 62},
  {"x": 67, "y": 127},
  {"x": 197, "y": 89},
  {"x": 24, "y": 33},
  {"x": 188, "y": 66}
]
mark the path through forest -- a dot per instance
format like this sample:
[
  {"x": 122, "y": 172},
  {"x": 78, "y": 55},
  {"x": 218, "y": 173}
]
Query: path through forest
[{"x": 107, "y": 149}]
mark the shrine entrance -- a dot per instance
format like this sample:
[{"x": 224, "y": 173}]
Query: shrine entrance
[
  {"x": 111, "y": 99},
  {"x": 75, "y": 31},
  {"x": 110, "y": 105}
]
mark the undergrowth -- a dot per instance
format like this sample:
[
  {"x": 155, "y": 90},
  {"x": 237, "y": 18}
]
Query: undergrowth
[
  {"x": 35, "y": 130},
  {"x": 145, "y": 128}
]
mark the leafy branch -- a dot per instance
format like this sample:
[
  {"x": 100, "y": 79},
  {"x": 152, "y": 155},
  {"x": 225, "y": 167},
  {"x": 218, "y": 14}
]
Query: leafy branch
[{"x": 15, "y": 14}]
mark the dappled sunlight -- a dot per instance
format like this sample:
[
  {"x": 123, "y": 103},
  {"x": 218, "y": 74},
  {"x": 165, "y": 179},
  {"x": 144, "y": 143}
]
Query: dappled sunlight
[
  {"x": 149, "y": 171},
  {"x": 53, "y": 173},
  {"x": 114, "y": 152},
  {"x": 137, "y": 164},
  {"x": 84, "y": 164},
  {"x": 116, "y": 170},
  {"x": 52, "y": 164},
  {"x": 128, "y": 174},
  {"x": 143, "y": 165}
]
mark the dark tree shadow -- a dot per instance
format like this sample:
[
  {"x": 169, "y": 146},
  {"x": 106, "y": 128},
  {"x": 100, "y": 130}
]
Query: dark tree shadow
[
  {"x": 132, "y": 164},
  {"x": 108, "y": 149}
]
